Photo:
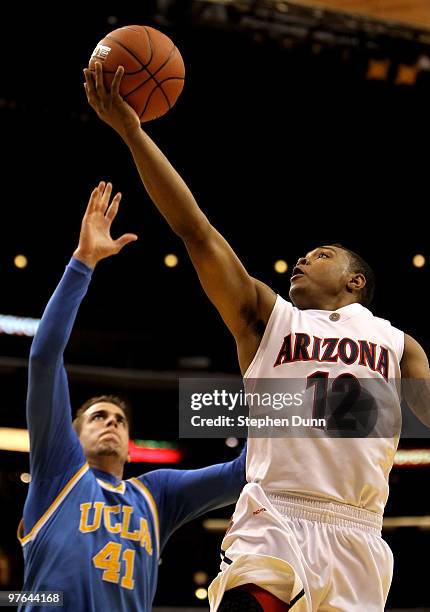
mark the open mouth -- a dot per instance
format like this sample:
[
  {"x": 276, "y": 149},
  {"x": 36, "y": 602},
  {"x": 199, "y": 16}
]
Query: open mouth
[{"x": 297, "y": 273}]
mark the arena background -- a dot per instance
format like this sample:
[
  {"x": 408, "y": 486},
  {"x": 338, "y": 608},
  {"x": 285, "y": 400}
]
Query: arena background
[{"x": 298, "y": 126}]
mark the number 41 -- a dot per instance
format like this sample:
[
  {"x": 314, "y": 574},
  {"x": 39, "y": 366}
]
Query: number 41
[{"x": 108, "y": 559}]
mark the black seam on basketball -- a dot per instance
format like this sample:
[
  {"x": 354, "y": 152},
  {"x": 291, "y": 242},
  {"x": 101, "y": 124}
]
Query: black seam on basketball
[
  {"x": 158, "y": 85},
  {"x": 150, "y": 73},
  {"x": 296, "y": 598},
  {"x": 150, "y": 46},
  {"x": 131, "y": 29},
  {"x": 149, "y": 98},
  {"x": 153, "y": 77},
  {"x": 143, "y": 66}
]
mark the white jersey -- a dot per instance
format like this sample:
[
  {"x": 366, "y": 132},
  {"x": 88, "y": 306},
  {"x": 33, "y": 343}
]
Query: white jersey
[{"x": 297, "y": 344}]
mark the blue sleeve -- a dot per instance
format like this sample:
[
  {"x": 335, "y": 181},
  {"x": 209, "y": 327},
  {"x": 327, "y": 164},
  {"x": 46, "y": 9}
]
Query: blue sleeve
[
  {"x": 183, "y": 495},
  {"x": 55, "y": 451}
]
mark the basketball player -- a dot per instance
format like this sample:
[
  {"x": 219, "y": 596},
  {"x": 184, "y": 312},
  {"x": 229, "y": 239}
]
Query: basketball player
[
  {"x": 86, "y": 532},
  {"x": 306, "y": 533}
]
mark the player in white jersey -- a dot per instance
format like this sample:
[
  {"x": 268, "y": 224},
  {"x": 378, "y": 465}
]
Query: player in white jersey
[{"x": 306, "y": 532}]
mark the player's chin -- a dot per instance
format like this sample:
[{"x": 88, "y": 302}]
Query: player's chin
[
  {"x": 297, "y": 294},
  {"x": 106, "y": 449}
]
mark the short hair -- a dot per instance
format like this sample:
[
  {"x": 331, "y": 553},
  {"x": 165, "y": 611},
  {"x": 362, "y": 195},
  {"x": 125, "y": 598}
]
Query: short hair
[
  {"x": 360, "y": 266},
  {"x": 110, "y": 399}
]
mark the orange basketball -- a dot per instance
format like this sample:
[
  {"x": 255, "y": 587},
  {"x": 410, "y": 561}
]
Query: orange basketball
[{"x": 153, "y": 68}]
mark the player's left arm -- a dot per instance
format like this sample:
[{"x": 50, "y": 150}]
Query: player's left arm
[
  {"x": 55, "y": 451},
  {"x": 183, "y": 495},
  {"x": 416, "y": 379}
]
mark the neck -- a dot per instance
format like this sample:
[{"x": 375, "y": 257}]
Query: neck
[
  {"x": 110, "y": 465},
  {"x": 327, "y": 303}
]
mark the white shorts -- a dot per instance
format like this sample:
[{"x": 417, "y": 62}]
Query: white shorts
[{"x": 310, "y": 552}]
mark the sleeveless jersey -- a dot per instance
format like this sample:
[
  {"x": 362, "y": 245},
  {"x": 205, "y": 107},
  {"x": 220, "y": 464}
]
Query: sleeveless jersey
[{"x": 304, "y": 344}]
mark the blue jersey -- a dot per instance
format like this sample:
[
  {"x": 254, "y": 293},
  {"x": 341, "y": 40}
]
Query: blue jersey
[{"x": 84, "y": 532}]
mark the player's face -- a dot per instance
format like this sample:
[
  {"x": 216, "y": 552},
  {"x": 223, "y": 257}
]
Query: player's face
[
  {"x": 321, "y": 275},
  {"x": 104, "y": 431}
]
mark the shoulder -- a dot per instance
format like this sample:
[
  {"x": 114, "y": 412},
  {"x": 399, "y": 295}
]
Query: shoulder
[
  {"x": 413, "y": 348},
  {"x": 414, "y": 362},
  {"x": 277, "y": 304},
  {"x": 148, "y": 490},
  {"x": 148, "y": 485}
]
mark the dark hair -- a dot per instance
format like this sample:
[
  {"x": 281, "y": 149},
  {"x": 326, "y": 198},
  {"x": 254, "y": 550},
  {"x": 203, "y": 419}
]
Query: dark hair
[
  {"x": 359, "y": 266},
  {"x": 110, "y": 399}
]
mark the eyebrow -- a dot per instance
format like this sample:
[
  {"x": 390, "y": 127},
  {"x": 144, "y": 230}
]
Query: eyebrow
[
  {"x": 324, "y": 247},
  {"x": 101, "y": 411}
]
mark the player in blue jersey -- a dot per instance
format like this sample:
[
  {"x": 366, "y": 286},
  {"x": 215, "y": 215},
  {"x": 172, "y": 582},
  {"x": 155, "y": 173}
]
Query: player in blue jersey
[{"x": 85, "y": 531}]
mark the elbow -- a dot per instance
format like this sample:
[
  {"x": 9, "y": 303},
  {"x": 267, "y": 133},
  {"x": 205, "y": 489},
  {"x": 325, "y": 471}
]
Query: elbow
[
  {"x": 195, "y": 230},
  {"x": 197, "y": 234},
  {"x": 41, "y": 354},
  {"x": 38, "y": 359},
  {"x": 38, "y": 353},
  {"x": 47, "y": 345}
]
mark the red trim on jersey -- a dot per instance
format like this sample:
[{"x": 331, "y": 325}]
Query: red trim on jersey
[{"x": 267, "y": 601}]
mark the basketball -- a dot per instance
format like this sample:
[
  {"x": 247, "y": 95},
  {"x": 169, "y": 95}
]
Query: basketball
[{"x": 154, "y": 70}]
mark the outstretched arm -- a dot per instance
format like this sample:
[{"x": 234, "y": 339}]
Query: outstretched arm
[
  {"x": 55, "y": 452},
  {"x": 183, "y": 495},
  {"x": 243, "y": 302},
  {"x": 416, "y": 379}
]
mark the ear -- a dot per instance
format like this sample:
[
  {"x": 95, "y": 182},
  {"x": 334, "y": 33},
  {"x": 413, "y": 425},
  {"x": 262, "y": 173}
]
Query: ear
[
  {"x": 128, "y": 459},
  {"x": 356, "y": 282}
]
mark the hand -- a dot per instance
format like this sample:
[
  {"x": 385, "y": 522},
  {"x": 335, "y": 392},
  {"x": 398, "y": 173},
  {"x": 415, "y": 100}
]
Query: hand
[
  {"x": 110, "y": 106},
  {"x": 95, "y": 241}
]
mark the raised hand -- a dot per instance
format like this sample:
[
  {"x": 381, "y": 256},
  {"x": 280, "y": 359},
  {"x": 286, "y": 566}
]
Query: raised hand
[
  {"x": 95, "y": 241},
  {"x": 109, "y": 105}
]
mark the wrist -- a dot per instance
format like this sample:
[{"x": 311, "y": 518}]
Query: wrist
[
  {"x": 85, "y": 258},
  {"x": 131, "y": 133}
]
